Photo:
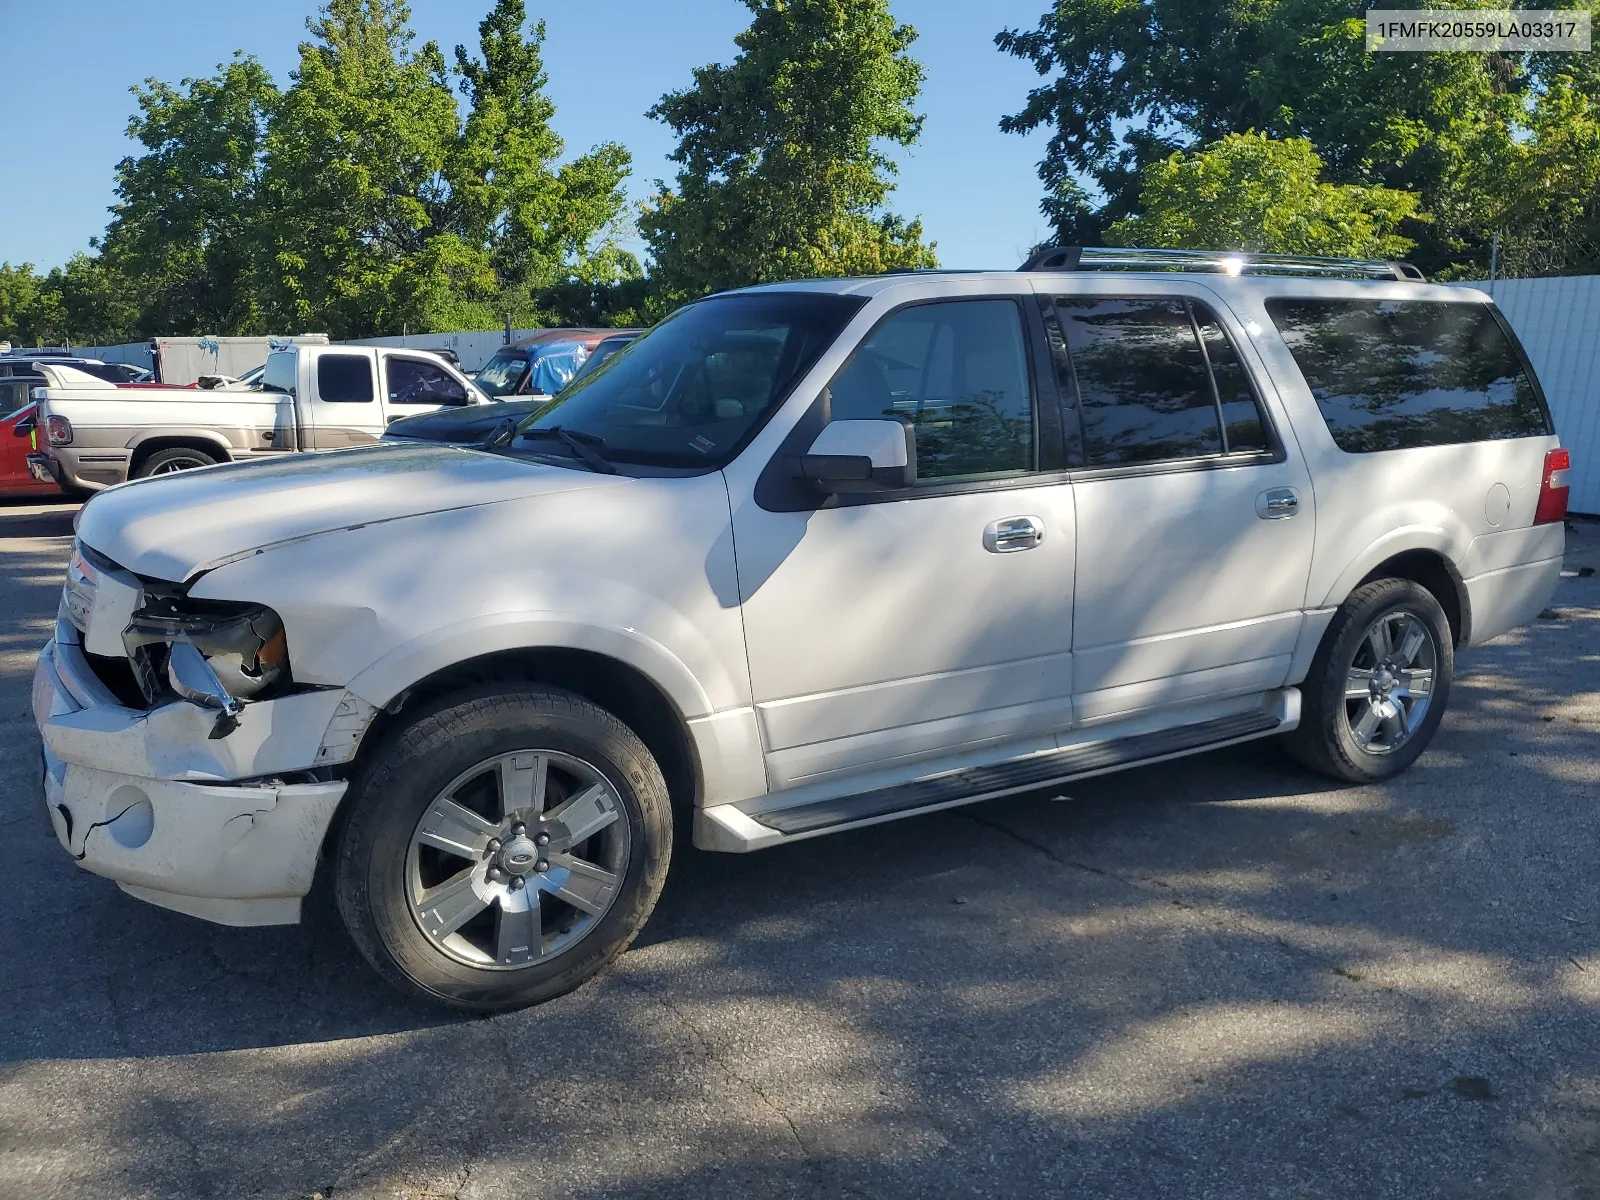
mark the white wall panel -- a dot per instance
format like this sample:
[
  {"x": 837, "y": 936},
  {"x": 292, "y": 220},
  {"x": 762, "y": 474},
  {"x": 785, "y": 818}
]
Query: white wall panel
[{"x": 1558, "y": 321}]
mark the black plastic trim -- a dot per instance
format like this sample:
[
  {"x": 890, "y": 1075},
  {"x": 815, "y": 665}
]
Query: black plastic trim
[{"x": 980, "y": 781}]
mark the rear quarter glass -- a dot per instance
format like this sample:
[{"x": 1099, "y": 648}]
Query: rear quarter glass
[{"x": 1396, "y": 374}]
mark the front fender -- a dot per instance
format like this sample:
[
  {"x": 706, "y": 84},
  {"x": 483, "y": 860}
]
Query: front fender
[{"x": 414, "y": 661}]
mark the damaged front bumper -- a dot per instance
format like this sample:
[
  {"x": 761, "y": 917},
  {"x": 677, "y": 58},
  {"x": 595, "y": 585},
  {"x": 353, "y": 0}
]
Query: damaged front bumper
[{"x": 204, "y": 826}]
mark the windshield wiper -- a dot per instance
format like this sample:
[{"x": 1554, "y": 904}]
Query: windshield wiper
[
  {"x": 509, "y": 425},
  {"x": 579, "y": 444}
]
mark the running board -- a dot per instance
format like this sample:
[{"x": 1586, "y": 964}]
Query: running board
[{"x": 1092, "y": 758}]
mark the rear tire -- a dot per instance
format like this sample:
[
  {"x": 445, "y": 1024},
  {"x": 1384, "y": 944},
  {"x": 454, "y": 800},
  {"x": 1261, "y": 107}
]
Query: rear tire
[
  {"x": 1378, "y": 686},
  {"x": 176, "y": 458},
  {"x": 503, "y": 848}
]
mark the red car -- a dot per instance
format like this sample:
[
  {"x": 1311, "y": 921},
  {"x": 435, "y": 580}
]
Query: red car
[{"x": 16, "y": 442}]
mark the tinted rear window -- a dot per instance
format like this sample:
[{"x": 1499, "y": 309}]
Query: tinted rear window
[
  {"x": 1157, "y": 380},
  {"x": 344, "y": 378},
  {"x": 1394, "y": 374}
]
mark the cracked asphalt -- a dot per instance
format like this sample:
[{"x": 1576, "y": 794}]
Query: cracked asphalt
[{"x": 1218, "y": 977}]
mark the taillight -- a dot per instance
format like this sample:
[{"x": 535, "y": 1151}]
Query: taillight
[
  {"x": 1553, "y": 488},
  {"x": 59, "y": 431}
]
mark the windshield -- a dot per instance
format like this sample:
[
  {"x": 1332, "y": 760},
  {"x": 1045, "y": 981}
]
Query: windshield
[
  {"x": 503, "y": 373},
  {"x": 694, "y": 389}
]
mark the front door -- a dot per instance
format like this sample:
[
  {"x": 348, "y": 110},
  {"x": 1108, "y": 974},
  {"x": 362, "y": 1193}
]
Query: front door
[
  {"x": 910, "y": 624},
  {"x": 1195, "y": 520},
  {"x": 416, "y": 385}
]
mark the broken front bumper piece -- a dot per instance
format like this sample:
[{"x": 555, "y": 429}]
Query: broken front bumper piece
[{"x": 148, "y": 799}]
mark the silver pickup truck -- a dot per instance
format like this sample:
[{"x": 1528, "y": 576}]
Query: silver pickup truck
[{"x": 96, "y": 434}]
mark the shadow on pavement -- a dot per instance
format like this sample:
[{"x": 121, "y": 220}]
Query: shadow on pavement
[{"x": 1215, "y": 976}]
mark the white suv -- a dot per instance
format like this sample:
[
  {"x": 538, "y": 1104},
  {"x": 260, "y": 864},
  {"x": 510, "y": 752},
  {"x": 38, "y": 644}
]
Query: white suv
[{"x": 803, "y": 558}]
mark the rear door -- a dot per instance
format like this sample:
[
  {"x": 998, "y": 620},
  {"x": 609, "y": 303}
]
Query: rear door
[
  {"x": 1194, "y": 507},
  {"x": 339, "y": 399},
  {"x": 413, "y": 385}
]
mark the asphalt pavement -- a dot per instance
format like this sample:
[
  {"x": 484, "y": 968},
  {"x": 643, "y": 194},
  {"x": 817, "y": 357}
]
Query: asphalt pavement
[{"x": 1217, "y": 977}]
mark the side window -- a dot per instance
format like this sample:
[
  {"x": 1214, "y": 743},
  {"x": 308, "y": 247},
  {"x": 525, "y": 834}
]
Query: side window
[
  {"x": 1243, "y": 430},
  {"x": 1143, "y": 389},
  {"x": 412, "y": 381},
  {"x": 1394, "y": 374},
  {"x": 957, "y": 371},
  {"x": 344, "y": 378}
]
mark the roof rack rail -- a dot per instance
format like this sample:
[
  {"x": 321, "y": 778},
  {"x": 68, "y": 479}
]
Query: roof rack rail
[{"x": 1220, "y": 262}]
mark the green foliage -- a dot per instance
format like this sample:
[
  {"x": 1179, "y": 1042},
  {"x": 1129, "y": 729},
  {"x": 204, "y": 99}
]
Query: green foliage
[
  {"x": 552, "y": 230},
  {"x": 178, "y": 253},
  {"x": 21, "y": 292},
  {"x": 385, "y": 211},
  {"x": 80, "y": 303},
  {"x": 1132, "y": 81},
  {"x": 781, "y": 175},
  {"x": 359, "y": 201},
  {"x": 1251, "y": 192},
  {"x": 356, "y": 229},
  {"x": 1542, "y": 192}
]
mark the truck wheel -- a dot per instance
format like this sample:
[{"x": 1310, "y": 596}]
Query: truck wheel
[
  {"x": 178, "y": 458},
  {"x": 1378, "y": 685},
  {"x": 502, "y": 848}
]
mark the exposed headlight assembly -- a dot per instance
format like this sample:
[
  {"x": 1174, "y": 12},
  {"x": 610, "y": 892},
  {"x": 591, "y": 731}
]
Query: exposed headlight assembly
[{"x": 218, "y": 656}]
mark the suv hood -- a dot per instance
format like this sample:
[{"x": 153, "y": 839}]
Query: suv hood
[{"x": 175, "y": 526}]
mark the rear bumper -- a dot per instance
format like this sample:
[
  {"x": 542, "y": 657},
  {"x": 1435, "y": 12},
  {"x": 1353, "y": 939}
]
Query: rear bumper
[
  {"x": 146, "y": 800},
  {"x": 82, "y": 467},
  {"x": 1504, "y": 599},
  {"x": 43, "y": 469}
]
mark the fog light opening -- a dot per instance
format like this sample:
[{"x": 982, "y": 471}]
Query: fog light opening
[{"x": 135, "y": 820}]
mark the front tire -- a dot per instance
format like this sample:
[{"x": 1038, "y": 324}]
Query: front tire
[
  {"x": 1378, "y": 686},
  {"x": 503, "y": 848}
]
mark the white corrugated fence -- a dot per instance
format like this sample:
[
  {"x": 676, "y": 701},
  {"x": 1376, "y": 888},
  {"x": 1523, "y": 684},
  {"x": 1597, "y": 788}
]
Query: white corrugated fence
[{"x": 1558, "y": 320}]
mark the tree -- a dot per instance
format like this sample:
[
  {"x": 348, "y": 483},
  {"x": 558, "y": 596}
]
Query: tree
[
  {"x": 1135, "y": 80},
  {"x": 179, "y": 249},
  {"x": 356, "y": 208},
  {"x": 780, "y": 171},
  {"x": 551, "y": 230},
  {"x": 21, "y": 293},
  {"x": 1251, "y": 192},
  {"x": 1543, "y": 191},
  {"x": 384, "y": 211}
]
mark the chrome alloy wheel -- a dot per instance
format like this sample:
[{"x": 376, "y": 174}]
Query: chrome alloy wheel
[
  {"x": 517, "y": 859},
  {"x": 1388, "y": 685},
  {"x": 180, "y": 463}
]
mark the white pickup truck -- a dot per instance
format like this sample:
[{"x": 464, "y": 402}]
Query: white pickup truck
[{"x": 97, "y": 434}]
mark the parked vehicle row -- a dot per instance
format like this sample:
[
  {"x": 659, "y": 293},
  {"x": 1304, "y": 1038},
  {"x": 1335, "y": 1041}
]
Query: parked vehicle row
[
  {"x": 801, "y": 559},
  {"x": 309, "y": 397},
  {"x": 471, "y": 426}
]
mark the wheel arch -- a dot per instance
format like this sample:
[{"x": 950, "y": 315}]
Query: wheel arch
[
  {"x": 1426, "y": 555},
  {"x": 155, "y": 442},
  {"x": 619, "y": 687}
]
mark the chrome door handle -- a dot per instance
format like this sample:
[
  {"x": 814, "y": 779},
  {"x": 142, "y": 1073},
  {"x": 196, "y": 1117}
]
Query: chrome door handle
[
  {"x": 1277, "y": 504},
  {"x": 1013, "y": 533}
]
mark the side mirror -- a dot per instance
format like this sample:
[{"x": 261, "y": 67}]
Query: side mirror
[
  {"x": 22, "y": 429},
  {"x": 861, "y": 456}
]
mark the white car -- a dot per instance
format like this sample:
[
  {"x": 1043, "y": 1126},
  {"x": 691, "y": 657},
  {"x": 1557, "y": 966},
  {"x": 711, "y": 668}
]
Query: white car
[{"x": 804, "y": 558}]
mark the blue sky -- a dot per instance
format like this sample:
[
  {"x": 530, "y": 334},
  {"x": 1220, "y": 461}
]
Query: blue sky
[{"x": 609, "y": 60}]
